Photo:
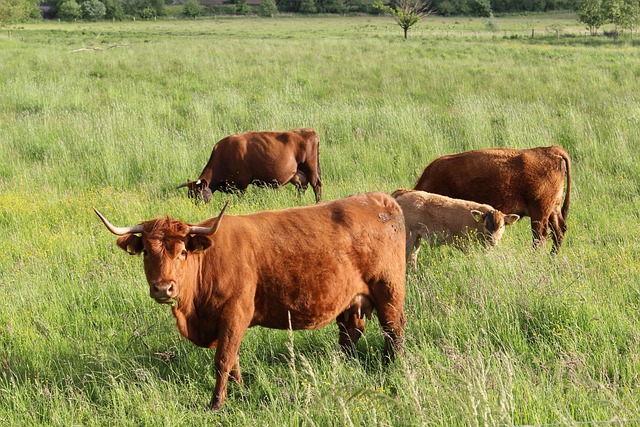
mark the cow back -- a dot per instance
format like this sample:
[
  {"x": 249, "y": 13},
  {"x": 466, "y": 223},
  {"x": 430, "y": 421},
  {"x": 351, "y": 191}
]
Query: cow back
[
  {"x": 305, "y": 265},
  {"x": 508, "y": 179}
]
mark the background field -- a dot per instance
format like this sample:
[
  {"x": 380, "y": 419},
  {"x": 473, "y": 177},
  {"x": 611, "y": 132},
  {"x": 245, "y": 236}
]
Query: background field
[{"x": 116, "y": 115}]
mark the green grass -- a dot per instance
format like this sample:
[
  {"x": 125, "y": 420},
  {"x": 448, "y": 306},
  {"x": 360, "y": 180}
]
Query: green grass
[{"x": 508, "y": 337}]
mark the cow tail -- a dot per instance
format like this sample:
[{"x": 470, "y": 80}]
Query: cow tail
[
  {"x": 318, "y": 159},
  {"x": 567, "y": 196}
]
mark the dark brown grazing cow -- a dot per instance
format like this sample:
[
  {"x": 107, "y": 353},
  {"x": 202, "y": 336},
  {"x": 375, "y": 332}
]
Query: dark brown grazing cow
[
  {"x": 299, "y": 268},
  {"x": 267, "y": 159},
  {"x": 524, "y": 182}
]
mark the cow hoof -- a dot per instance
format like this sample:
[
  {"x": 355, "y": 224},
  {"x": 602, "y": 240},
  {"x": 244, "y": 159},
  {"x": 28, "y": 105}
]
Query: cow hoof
[{"x": 215, "y": 404}]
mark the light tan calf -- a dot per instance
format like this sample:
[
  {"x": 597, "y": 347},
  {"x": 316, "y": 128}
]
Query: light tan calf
[{"x": 443, "y": 220}]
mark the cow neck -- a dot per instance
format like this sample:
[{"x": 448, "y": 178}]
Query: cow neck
[
  {"x": 206, "y": 175},
  {"x": 189, "y": 286},
  {"x": 192, "y": 306}
]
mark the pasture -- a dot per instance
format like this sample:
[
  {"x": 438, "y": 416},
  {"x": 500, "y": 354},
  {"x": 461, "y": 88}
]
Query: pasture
[{"x": 115, "y": 115}]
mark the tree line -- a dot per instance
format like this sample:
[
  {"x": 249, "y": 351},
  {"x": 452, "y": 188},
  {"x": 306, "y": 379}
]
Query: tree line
[{"x": 623, "y": 14}]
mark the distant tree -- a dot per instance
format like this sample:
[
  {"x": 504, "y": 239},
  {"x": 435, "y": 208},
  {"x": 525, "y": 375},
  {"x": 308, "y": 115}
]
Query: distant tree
[
  {"x": 407, "y": 13},
  {"x": 70, "y": 11},
  {"x": 93, "y": 10},
  {"x": 18, "y": 10},
  {"x": 447, "y": 8},
  {"x": 288, "y": 5},
  {"x": 330, "y": 6},
  {"x": 192, "y": 9},
  {"x": 308, "y": 6},
  {"x": 267, "y": 8},
  {"x": 623, "y": 14},
  {"x": 241, "y": 7},
  {"x": 491, "y": 24},
  {"x": 481, "y": 8},
  {"x": 592, "y": 13},
  {"x": 615, "y": 13},
  {"x": 141, "y": 8},
  {"x": 355, "y": 6},
  {"x": 158, "y": 5},
  {"x": 148, "y": 13},
  {"x": 55, "y": 6},
  {"x": 114, "y": 9},
  {"x": 633, "y": 15},
  {"x": 557, "y": 29}
]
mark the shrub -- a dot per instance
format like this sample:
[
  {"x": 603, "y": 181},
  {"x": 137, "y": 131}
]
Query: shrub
[
  {"x": 192, "y": 9},
  {"x": 93, "y": 10},
  {"x": 148, "y": 13},
  {"x": 267, "y": 8},
  {"x": 114, "y": 9},
  {"x": 69, "y": 11}
]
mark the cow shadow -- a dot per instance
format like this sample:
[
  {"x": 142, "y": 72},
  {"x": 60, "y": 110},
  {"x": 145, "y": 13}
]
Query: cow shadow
[
  {"x": 148, "y": 360},
  {"x": 281, "y": 348}
]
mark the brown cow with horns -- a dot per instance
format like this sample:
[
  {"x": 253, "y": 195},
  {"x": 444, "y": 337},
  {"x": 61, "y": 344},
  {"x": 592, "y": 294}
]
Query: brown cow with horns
[
  {"x": 524, "y": 182},
  {"x": 298, "y": 268},
  {"x": 267, "y": 159}
]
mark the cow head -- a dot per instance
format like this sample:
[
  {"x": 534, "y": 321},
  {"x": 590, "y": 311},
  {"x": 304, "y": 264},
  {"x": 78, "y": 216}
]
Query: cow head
[
  {"x": 166, "y": 246},
  {"x": 491, "y": 224},
  {"x": 197, "y": 190}
]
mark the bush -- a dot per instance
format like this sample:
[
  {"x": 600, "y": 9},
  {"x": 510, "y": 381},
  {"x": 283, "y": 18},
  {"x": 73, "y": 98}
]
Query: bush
[
  {"x": 18, "y": 10},
  {"x": 308, "y": 6},
  {"x": 93, "y": 10},
  {"x": 148, "y": 13},
  {"x": 114, "y": 9},
  {"x": 267, "y": 8},
  {"x": 192, "y": 9},
  {"x": 241, "y": 7},
  {"x": 70, "y": 11}
]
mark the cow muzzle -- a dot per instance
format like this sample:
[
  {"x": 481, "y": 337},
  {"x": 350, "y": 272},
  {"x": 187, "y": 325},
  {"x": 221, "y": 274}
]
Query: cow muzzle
[{"x": 164, "y": 292}]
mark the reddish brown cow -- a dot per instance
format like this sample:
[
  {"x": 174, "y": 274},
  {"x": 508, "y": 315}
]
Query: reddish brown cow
[
  {"x": 524, "y": 182},
  {"x": 267, "y": 159},
  {"x": 298, "y": 268}
]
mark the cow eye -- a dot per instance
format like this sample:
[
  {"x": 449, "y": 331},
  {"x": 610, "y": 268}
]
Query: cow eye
[{"x": 184, "y": 253}]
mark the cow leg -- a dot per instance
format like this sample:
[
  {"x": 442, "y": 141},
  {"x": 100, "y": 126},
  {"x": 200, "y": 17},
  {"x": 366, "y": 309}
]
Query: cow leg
[
  {"x": 317, "y": 189},
  {"x": 558, "y": 227},
  {"x": 235, "y": 372},
  {"x": 539, "y": 227},
  {"x": 226, "y": 360},
  {"x": 390, "y": 311},
  {"x": 413, "y": 247},
  {"x": 351, "y": 327},
  {"x": 539, "y": 230},
  {"x": 312, "y": 176},
  {"x": 299, "y": 180}
]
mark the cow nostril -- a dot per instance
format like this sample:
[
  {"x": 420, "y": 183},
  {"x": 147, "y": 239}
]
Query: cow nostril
[{"x": 166, "y": 288}]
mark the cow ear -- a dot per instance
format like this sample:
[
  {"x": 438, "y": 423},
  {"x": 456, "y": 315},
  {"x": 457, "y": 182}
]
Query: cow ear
[
  {"x": 511, "y": 219},
  {"x": 198, "y": 243},
  {"x": 130, "y": 243},
  {"x": 477, "y": 215}
]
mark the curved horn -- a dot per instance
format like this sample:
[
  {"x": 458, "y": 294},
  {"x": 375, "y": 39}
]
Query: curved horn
[
  {"x": 209, "y": 230},
  {"x": 119, "y": 231},
  {"x": 184, "y": 184}
]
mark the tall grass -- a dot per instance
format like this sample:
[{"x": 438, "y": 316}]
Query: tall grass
[{"x": 508, "y": 337}]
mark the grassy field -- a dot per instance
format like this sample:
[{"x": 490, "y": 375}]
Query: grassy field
[{"x": 115, "y": 115}]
